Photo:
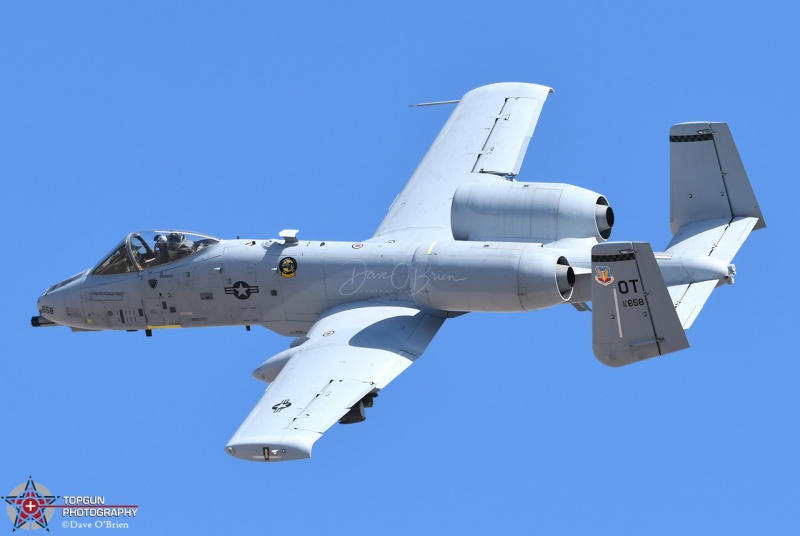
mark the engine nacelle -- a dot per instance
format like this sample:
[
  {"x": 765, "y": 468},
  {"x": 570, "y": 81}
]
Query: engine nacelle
[
  {"x": 489, "y": 276},
  {"x": 528, "y": 212}
]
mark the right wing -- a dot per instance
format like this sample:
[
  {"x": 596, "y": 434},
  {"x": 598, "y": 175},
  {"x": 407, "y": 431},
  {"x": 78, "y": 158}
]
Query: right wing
[
  {"x": 350, "y": 353},
  {"x": 485, "y": 138}
]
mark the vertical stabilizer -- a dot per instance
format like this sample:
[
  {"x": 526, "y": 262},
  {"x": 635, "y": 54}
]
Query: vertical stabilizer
[
  {"x": 633, "y": 317},
  {"x": 712, "y": 211},
  {"x": 707, "y": 178}
]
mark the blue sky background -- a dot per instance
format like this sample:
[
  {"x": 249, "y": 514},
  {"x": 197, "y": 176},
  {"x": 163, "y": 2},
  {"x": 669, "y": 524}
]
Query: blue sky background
[{"x": 245, "y": 118}]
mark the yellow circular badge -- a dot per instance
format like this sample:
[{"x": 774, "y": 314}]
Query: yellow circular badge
[{"x": 287, "y": 267}]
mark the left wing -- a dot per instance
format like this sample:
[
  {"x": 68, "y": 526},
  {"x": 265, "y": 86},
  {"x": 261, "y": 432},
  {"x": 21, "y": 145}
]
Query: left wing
[
  {"x": 485, "y": 139},
  {"x": 351, "y": 353}
]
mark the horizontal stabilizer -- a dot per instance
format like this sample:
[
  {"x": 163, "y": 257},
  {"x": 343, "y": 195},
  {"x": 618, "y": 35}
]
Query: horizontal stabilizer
[
  {"x": 633, "y": 317},
  {"x": 693, "y": 252},
  {"x": 690, "y": 299}
]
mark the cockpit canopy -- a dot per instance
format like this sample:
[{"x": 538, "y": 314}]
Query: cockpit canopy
[{"x": 148, "y": 249}]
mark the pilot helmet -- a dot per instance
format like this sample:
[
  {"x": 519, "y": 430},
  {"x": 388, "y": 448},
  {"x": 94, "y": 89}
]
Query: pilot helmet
[{"x": 161, "y": 241}]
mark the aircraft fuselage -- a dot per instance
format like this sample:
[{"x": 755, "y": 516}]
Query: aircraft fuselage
[{"x": 285, "y": 286}]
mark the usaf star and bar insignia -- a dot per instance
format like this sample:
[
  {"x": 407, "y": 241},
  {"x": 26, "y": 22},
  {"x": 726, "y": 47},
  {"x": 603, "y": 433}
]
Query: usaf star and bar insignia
[
  {"x": 241, "y": 290},
  {"x": 287, "y": 267}
]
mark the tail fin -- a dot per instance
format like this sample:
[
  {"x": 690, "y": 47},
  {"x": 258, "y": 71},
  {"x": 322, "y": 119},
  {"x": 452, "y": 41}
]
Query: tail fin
[
  {"x": 643, "y": 302},
  {"x": 632, "y": 317},
  {"x": 712, "y": 210}
]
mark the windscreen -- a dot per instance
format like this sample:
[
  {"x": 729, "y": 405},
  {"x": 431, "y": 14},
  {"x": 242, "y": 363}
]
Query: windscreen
[{"x": 150, "y": 249}]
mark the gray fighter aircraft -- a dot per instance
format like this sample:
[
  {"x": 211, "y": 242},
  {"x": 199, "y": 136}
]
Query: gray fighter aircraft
[{"x": 462, "y": 236}]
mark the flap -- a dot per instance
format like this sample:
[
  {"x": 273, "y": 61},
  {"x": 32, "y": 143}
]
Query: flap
[{"x": 508, "y": 140}]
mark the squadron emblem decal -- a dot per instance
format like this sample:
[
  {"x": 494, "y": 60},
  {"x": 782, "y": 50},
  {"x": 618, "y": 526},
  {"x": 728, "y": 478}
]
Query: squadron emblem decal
[
  {"x": 603, "y": 275},
  {"x": 287, "y": 267},
  {"x": 241, "y": 290}
]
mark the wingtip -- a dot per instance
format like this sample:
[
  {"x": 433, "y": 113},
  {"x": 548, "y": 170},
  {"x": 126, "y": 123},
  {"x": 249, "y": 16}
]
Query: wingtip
[{"x": 273, "y": 448}]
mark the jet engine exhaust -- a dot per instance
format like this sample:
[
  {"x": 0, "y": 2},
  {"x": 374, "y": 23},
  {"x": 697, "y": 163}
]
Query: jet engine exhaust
[
  {"x": 565, "y": 277},
  {"x": 604, "y": 217}
]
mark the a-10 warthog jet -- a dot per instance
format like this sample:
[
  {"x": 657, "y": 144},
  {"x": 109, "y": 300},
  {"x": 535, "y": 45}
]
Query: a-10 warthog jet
[{"x": 462, "y": 236}]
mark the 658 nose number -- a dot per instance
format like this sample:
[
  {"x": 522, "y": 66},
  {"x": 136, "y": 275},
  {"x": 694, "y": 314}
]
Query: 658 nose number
[{"x": 46, "y": 310}]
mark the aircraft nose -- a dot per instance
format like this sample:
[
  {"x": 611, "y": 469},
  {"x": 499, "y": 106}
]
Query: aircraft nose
[
  {"x": 59, "y": 302},
  {"x": 47, "y": 306}
]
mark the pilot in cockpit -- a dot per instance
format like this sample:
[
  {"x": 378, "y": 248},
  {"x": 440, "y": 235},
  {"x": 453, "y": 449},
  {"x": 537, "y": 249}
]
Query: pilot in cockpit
[
  {"x": 162, "y": 253},
  {"x": 178, "y": 246},
  {"x": 167, "y": 248}
]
